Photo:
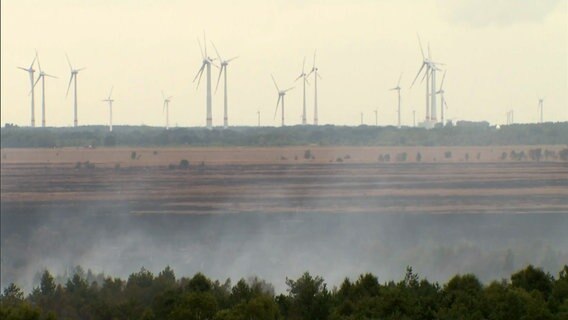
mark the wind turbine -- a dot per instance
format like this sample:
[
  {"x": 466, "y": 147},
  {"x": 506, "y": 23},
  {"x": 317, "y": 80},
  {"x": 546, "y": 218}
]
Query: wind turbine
[
  {"x": 397, "y": 88},
  {"x": 166, "y": 108},
  {"x": 304, "y": 77},
  {"x": 430, "y": 75},
  {"x": 541, "y": 107},
  {"x": 315, "y": 71},
  {"x": 110, "y": 101},
  {"x": 258, "y": 113},
  {"x": 361, "y": 118},
  {"x": 31, "y": 72},
  {"x": 206, "y": 64},
  {"x": 377, "y": 117},
  {"x": 74, "y": 73},
  {"x": 223, "y": 70},
  {"x": 443, "y": 104},
  {"x": 41, "y": 77},
  {"x": 281, "y": 95}
]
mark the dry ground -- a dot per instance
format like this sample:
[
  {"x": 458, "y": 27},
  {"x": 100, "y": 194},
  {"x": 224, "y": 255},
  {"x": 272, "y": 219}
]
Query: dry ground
[{"x": 265, "y": 180}]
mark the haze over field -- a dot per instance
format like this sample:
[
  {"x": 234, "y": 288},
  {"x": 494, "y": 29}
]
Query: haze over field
[{"x": 499, "y": 55}]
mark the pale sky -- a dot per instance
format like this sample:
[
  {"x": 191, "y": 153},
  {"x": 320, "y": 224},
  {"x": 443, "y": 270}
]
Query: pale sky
[{"x": 499, "y": 55}]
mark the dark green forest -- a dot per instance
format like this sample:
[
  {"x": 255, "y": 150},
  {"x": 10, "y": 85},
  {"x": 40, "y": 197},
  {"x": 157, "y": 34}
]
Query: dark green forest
[
  {"x": 530, "y": 293},
  {"x": 462, "y": 134}
]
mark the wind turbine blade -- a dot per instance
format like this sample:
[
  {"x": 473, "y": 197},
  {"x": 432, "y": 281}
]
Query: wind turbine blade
[
  {"x": 69, "y": 86},
  {"x": 319, "y": 76},
  {"x": 110, "y": 93},
  {"x": 233, "y": 58},
  {"x": 199, "y": 72},
  {"x": 429, "y": 56},
  {"x": 315, "y": 51},
  {"x": 49, "y": 75},
  {"x": 398, "y": 83},
  {"x": 33, "y": 61},
  {"x": 299, "y": 77},
  {"x": 200, "y": 48},
  {"x": 219, "y": 78},
  {"x": 417, "y": 74},
  {"x": 205, "y": 43},
  {"x": 170, "y": 97},
  {"x": 275, "y": 83},
  {"x": 36, "y": 82},
  {"x": 69, "y": 62},
  {"x": 442, "y": 83},
  {"x": 420, "y": 44},
  {"x": 288, "y": 89},
  {"x": 217, "y": 52},
  {"x": 38, "y": 64},
  {"x": 424, "y": 76},
  {"x": 28, "y": 70},
  {"x": 304, "y": 66},
  {"x": 164, "y": 108},
  {"x": 277, "y": 105},
  {"x": 163, "y": 96},
  {"x": 81, "y": 69}
]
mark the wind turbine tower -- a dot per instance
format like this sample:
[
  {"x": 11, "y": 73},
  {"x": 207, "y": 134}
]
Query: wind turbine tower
[
  {"x": 206, "y": 64},
  {"x": 31, "y": 72},
  {"x": 541, "y": 107},
  {"x": 41, "y": 77},
  {"x": 110, "y": 101},
  {"x": 443, "y": 104},
  {"x": 304, "y": 77},
  {"x": 223, "y": 70},
  {"x": 377, "y": 117},
  {"x": 258, "y": 114},
  {"x": 74, "y": 73},
  {"x": 281, "y": 95},
  {"x": 397, "y": 88},
  {"x": 166, "y": 108},
  {"x": 315, "y": 71}
]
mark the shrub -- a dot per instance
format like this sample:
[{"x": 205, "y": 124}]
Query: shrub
[
  {"x": 283, "y": 158},
  {"x": 172, "y": 166},
  {"x": 550, "y": 154},
  {"x": 339, "y": 159},
  {"x": 563, "y": 154},
  {"x": 184, "y": 164},
  {"x": 133, "y": 155},
  {"x": 504, "y": 155},
  {"x": 479, "y": 156},
  {"x": 467, "y": 157},
  {"x": 448, "y": 154},
  {"x": 155, "y": 152},
  {"x": 89, "y": 165},
  {"x": 387, "y": 157},
  {"x": 347, "y": 157},
  {"x": 117, "y": 166},
  {"x": 535, "y": 154},
  {"x": 78, "y": 165},
  {"x": 308, "y": 154},
  {"x": 418, "y": 157},
  {"x": 401, "y": 157}
]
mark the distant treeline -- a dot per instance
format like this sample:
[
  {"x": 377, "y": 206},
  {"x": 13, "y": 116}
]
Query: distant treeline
[
  {"x": 529, "y": 294},
  {"x": 328, "y": 135}
]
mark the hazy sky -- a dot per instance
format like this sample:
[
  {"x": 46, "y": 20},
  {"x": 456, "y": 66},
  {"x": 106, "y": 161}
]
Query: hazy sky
[{"x": 499, "y": 55}]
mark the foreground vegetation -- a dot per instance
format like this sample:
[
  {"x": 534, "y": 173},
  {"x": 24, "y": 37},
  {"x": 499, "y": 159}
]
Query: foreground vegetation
[
  {"x": 529, "y": 294},
  {"x": 463, "y": 134}
]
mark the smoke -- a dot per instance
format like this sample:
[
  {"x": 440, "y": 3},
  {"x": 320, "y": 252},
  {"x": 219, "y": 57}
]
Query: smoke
[{"x": 275, "y": 222}]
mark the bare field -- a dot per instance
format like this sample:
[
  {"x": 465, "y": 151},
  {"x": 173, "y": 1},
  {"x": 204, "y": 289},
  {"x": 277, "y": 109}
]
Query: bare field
[
  {"x": 233, "y": 180},
  {"x": 270, "y": 155}
]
